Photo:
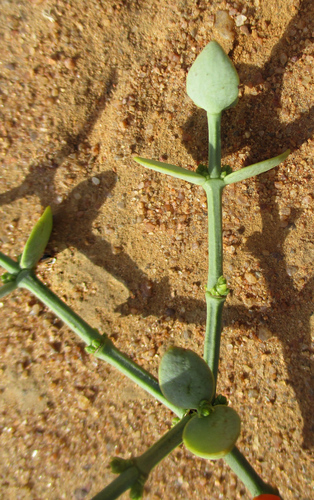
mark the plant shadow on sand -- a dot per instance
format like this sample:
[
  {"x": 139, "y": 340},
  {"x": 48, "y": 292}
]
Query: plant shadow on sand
[{"x": 255, "y": 113}]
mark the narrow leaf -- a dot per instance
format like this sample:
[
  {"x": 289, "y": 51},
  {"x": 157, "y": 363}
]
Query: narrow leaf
[
  {"x": 7, "y": 288},
  {"x": 212, "y": 82},
  {"x": 256, "y": 169},
  {"x": 173, "y": 170},
  {"x": 37, "y": 241}
]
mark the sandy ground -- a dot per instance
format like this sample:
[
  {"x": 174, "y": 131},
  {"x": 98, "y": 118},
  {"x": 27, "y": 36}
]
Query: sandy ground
[{"x": 85, "y": 86}]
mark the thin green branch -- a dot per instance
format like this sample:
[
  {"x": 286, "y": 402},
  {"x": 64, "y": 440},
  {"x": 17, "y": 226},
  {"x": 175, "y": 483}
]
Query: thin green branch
[
  {"x": 241, "y": 467},
  {"x": 119, "y": 485},
  {"x": 145, "y": 462},
  {"x": 214, "y": 150},
  {"x": 136, "y": 373},
  {"x": 9, "y": 264},
  {"x": 214, "y": 308},
  {"x": 213, "y": 188},
  {"x": 101, "y": 346},
  {"x": 7, "y": 288}
]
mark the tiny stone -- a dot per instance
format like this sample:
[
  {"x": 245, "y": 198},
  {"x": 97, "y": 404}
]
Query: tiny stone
[
  {"x": 116, "y": 250},
  {"x": 150, "y": 227},
  {"x": 69, "y": 63},
  {"x": 245, "y": 29},
  {"x": 306, "y": 201},
  {"x": 95, "y": 181},
  {"x": 253, "y": 394},
  {"x": 292, "y": 270},
  {"x": 250, "y": 278},
  {"x": 83, "y": 402},
  {"x": 285, "y": 211},
  {"x": 224, "y": 24},
  {"x": 80, "y": 493},
  {"x": 240, "y": 20},
  {"x": 264, "y": 333},
  {"x": 35, "y": 310},
  {"x": 283, "y": 58}
]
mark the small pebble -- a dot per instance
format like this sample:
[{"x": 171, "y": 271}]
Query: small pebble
[
  {"x": 83, "y": 402},
  {"x": 264, "y": 333},
  {"x": 292, "y": 270},
  {"x": 253, "y": 394},
  {"x": 245, "y": 30},
  {"x": 58, "y": 200},
  {"x": 224, "y": 25},
  {"x": 95, "y": 181},
  {"x": 283, "y": 58},
  {"x": 250, "y": 278},
  {"x": 240, "y": 20},
  {"x": 69, "y": 63}
]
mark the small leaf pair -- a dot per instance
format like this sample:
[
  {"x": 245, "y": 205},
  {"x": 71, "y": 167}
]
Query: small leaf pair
[{"x": 187, "y": 381}]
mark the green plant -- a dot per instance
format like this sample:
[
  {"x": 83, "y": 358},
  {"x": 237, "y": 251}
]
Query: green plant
[{"x": 187, "y": 383}]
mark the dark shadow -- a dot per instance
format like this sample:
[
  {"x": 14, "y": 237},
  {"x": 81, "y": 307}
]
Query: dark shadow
[{"x": 40, "y": 176}]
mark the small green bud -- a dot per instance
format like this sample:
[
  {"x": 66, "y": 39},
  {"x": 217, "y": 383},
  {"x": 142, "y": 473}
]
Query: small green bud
[
  {"x": 119, "y": 465},
  {"x": 220, "y": 400},
  {"x": 8, "y": 278},
  {"x": 220, "y": 290},
  {"x": 93, "y": 347},
  {"x": 225, "y": 170},
  {"x": 205, "y": 408},
  {"x": 175, "y": 421},
  {"x": 137, "y": 489},
  {"x": 202, "y": 170}
]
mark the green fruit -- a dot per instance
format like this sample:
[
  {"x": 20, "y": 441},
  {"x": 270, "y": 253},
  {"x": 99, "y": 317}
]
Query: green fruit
[
  {"x": 213, "y": 436},
  {"x": 185, "y": 379}
]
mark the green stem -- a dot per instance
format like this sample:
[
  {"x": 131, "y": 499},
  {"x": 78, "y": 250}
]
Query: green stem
[
  {"x": 213, "y": 188},
  {"x": 121, "y": 484},
  {"x": 214, "y": 150},
  {"x": 27, "y": 279},
  {"x": 9, "y": 264},
  {"x": 163, "y": 447},
  {"x": 7, "y": 288},
  {"x": 241, "y": 467},
  {"x": 213, "y": 332},
  {"x": 107, "y": 351},
  {"x": 145, "y": 463}
]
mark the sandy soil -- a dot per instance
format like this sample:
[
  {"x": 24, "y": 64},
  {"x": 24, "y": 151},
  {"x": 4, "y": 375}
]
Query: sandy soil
[{"x": 85, "y": 86}]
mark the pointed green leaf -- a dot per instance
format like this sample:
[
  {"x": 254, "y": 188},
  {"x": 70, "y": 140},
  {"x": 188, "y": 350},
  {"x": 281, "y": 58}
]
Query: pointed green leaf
[
  {"x": 256, "y": 169},
  {"x": 37, "y": 241},
  {"x": 212, "y": 82},
  {"x": 173, "y": 170},
  {"x": 7, "y": 288}
]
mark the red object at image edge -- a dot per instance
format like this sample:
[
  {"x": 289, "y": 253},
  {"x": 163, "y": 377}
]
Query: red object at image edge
[{"x": 267, "y": 496}]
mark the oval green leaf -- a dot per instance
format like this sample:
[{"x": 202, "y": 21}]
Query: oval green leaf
[
  {"x": 37, "y": 241},
  {"x": 213, "y": 436},
  {"x": 212, "y": 82},
  {"x": 185, "y": 379}
]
